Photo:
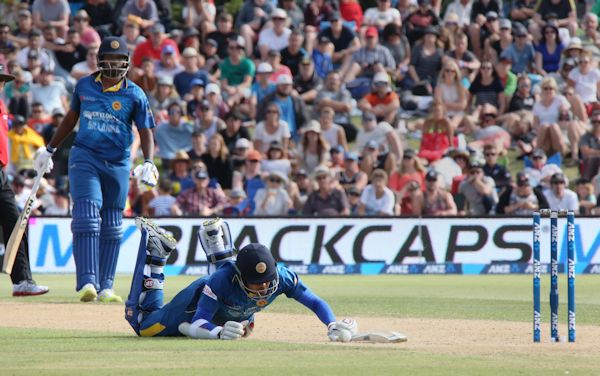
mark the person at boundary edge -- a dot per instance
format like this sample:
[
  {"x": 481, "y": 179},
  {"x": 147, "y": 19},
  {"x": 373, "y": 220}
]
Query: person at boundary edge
[
  {"x": 23, "y": 284},
  {"x": 222, "y": 304},
  {"x": 105, "y": 103}
]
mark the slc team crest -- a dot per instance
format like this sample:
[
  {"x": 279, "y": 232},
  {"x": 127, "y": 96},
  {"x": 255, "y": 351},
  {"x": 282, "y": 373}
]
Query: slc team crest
[
  {"x": 262, "y": 302},
  {"x": 116, "y": 105},
  {"x": 114, "y": 44}
]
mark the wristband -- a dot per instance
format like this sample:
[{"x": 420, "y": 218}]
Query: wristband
[
  {"x": 50, "y": 149},
  {"x": 148, "y": 161}
]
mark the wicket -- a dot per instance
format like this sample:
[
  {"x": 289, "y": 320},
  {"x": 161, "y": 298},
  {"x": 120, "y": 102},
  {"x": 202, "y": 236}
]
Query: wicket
[{"x": 554, "y": 302}]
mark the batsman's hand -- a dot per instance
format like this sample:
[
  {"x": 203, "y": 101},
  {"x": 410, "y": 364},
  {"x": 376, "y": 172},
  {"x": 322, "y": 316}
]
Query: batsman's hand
[
  {"x": 147, "y": 175},
  {"x": 342, "y": 331},
  {"x": 248, "y": 327},
  {"x": 42, "y": 161},
  {"x": 232, "y": 330}
]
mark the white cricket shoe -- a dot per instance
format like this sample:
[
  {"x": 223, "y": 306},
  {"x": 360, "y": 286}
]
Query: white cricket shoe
[
  {"x": 109, "y": 296},
  {"x": 27, "y": 288},
  {"x": 88, "y": 293}
]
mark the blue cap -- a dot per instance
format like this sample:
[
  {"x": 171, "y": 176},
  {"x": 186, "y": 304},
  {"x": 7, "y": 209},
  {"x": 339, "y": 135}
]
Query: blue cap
[
  {"x": 256, "y": 264},
  {"x": 168, "y": 49},
  {"x": 113, "y": 45},
  {"x": 350, "y": 156},
  {"x": 197, "y": 82}
]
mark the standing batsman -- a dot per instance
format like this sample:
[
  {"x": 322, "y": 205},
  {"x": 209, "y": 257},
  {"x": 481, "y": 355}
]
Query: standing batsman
[
  {"x": 105, "y": 103},
  {"x": 23, "y": 284},
  {"x": 221, "y": 305}
]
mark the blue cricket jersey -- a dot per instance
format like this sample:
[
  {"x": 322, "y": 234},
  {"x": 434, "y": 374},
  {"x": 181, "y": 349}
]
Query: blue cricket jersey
[
  {"x": 106, "y": 116},
  {"x": 223, "y": 299}
]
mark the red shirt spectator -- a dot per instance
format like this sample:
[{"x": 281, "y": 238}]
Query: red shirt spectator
[{"x": 153, "y": 47}]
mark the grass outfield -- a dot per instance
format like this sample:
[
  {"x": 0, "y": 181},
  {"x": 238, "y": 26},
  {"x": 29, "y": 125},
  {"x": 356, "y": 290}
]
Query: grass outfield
[{"x": 498, "y": 298}]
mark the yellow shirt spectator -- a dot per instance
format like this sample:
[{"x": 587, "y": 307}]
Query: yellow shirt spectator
[{"x": 24, "y": 141}]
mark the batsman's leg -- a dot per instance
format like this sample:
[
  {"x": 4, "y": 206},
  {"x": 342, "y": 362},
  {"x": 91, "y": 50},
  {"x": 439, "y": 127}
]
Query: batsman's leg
[
  {"x": 146, "y": 293},
  {"x": 111, "y": 233}
]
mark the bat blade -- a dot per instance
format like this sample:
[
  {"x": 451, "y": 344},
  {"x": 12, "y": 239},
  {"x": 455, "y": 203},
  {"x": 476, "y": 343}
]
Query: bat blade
[
  {"x": 12, "y": 247},
  {"x": 380, "y": 337}
]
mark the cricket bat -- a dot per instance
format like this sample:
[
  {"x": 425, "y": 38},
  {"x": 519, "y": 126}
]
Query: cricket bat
[
  {"x": 16, "y": 235},
  {"x": 379, "y": 337}
]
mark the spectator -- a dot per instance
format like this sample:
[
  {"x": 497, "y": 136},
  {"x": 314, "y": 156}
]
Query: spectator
[
  {"x": 174, "y": 134},
  {"x": 59, "y": 206},
  {"x": 589, "y": 145},
  {"x": 200, "y": 15},
  {"x": 308, "y": 83},
  {"x": 237, "y": 71},
  {"x": 180, "y": 173},
  {"x": 146, "y": 77},
  {"x": 215, "y": 99},
  {"x": 487, "y": 88},
  {"x": 353, "y": 195},
  {"x": 70, "y": 52},
  {"x": 313, "y": 147},
  {"x": 201, "y": 200},
  {"x": 233, "y": 129},
  {"x": 168, "y": 65},
  {"x": 523, "y": 199},
  {"x": 548, "y": 51},
  {"x": 39, "y": 118},
  {"x": 564, "y": 11},
  {"x": 81, "y": 23},
  {"x": 494, "y": 170},
  {"x": 523, "y": 11},
  {"x": 206, "y": 120},
  {"x": 294, "y": 53},
  {"x": 144, "y": 12},
  {"x": 88, "y": 66},
  {"x": 381, "y": 15},
  {"x": 591, "y": 38},
  {"x": 199, "y": 146},
  {"x": 18, "y": 93},
  {"x": 273, "y": 200},
  {"x": 191, "y": 71},
  {"x": 521, "y": 52},
  {"x": 369, "y": 59},
  {"x": 585, "y": 195},
  {"x": 274, "y": 59},
  {"x": 483, "y": 14},
  {"x": 271, "y": 129},
  {"x": 262, "y": 86},
  {"x": 377, "y": 198},
  {"x": 250, "y": 19},
  {"x": 434, "y": 201},
  {"x": 419, "y": 20},
  {"x": 437, "y": 131},
  {"x": 100, "y": 12},
  {"x": 223, "y": 34},
  {"x": 242, "y": 146},
  {"x": 300, "y": 188},
  {"x": 479, "y": 190},
  {"x": 335, "y": 97},
  {"x": 24, "y": 27},
  {"x": 327, "y": 200},
  {"x": 382, "y": 101},
  {"x": 316, "y": 12},
  {"x": 451, "y": 92},
  {"x": 381, "y": 133},
  {"x": 559, "y": 196},
  {"x": 164, "y": 204},
  {"x": 395, "y": 41},
  {"x": 333, "y": 133},
  {"x": 585, "y": 78},
  {"x": 336, "y": 159},
  {"x": 486, "y": 130},
  {"x": 34, "y": 52},
  {"x": 218, "y": 162},
  {"x": 52, "y": 94},
  {"x": 507, "y": 77},
  {"x": 277, "y": 35},
  {"x": 426, "y": 62},
  {"x": 351, "y": 175},
  {"x": 51, "y": 13},
  {"x": 345, "y": 41},
  {"x": 276, "y": 160},
  {"x": 196, "y": 95},
  {"x": 540, "y": 171},
  {"x": 249, "y": 178},
  {"x": 24, "y": 141},
  {"x": 462, "y": 9},
  {"x": 322, "y": 56},
  {"x": 497, "y": 43},
  {"x": 165, "y": 95},
  {"x": 49, "y": 129},
  {"x": 132, "y": 35},
  {"x": 236, "y": 205},
  {"x": 410, "y": 169},
  {"x": 154, "y": 46},
  {"x": 293, "y": 109}
]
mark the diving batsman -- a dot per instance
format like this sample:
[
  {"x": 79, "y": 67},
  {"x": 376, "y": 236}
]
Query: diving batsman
[
  {"x": 222, "y": 304},
  {"x": 106, "y": 104}
]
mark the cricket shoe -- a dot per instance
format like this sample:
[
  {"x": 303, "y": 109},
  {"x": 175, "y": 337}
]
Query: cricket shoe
[
  {"x": 29, "y": 288},
  {"x": 109, "y": 296},
  {"x": 88, "y": 293},
  {"x": 160, "y": 242}
]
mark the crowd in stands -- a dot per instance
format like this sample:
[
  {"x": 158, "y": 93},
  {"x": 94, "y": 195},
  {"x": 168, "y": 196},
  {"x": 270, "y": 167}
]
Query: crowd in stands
[{"x": 327, "y": 107}]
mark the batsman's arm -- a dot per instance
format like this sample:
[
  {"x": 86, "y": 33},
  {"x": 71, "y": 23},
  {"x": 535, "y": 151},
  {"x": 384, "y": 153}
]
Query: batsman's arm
[
  {"x": 313, "y": 302},
  {"x": 147, "y": 143},
  {"x": 64, "y": 129}
]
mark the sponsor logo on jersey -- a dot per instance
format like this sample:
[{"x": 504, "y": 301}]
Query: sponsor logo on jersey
[
  {"x": 116, "y": 105},
  {"x": 208, "y": 292},
  {"x": 149, "y": 283}
]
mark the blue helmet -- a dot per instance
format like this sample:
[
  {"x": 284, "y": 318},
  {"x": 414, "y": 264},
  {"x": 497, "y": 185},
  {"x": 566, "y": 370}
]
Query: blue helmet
[
  {"x": 255, "y": 265},
  {"x": 113, "y": 57}
]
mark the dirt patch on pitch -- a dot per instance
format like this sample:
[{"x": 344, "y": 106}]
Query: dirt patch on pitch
[{"x": 458, "y": 337}]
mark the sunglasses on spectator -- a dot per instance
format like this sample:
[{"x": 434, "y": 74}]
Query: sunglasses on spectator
[
  {"x": 274, "y": 180},
  {"x": 355, "y": 194},
  {"x": 490, "y": 154},
  {"x": 321, "y": 177},
  {"x": 548, "y": 88},
  {"x": 538, "y": 157},
  {"x": 407, "y": 157},
  {"x": 253, "y": 160},
  {"x": 485, "y": 67}
]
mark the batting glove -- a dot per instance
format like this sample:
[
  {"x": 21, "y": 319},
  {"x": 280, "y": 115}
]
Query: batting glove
[
  {"x": 342, "y": 331},
  {"x": 147, "y": 175},
  {"x": 42, "y": 160},
  {"x": 248, "y": 327},
  {"x": 232, "y": 330}
]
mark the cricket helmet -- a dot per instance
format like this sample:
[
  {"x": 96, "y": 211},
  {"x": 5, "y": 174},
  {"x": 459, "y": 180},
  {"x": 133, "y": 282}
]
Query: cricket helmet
[
  {"x": 113, "y": 57},
  {"x": 255, "y": 265}
]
